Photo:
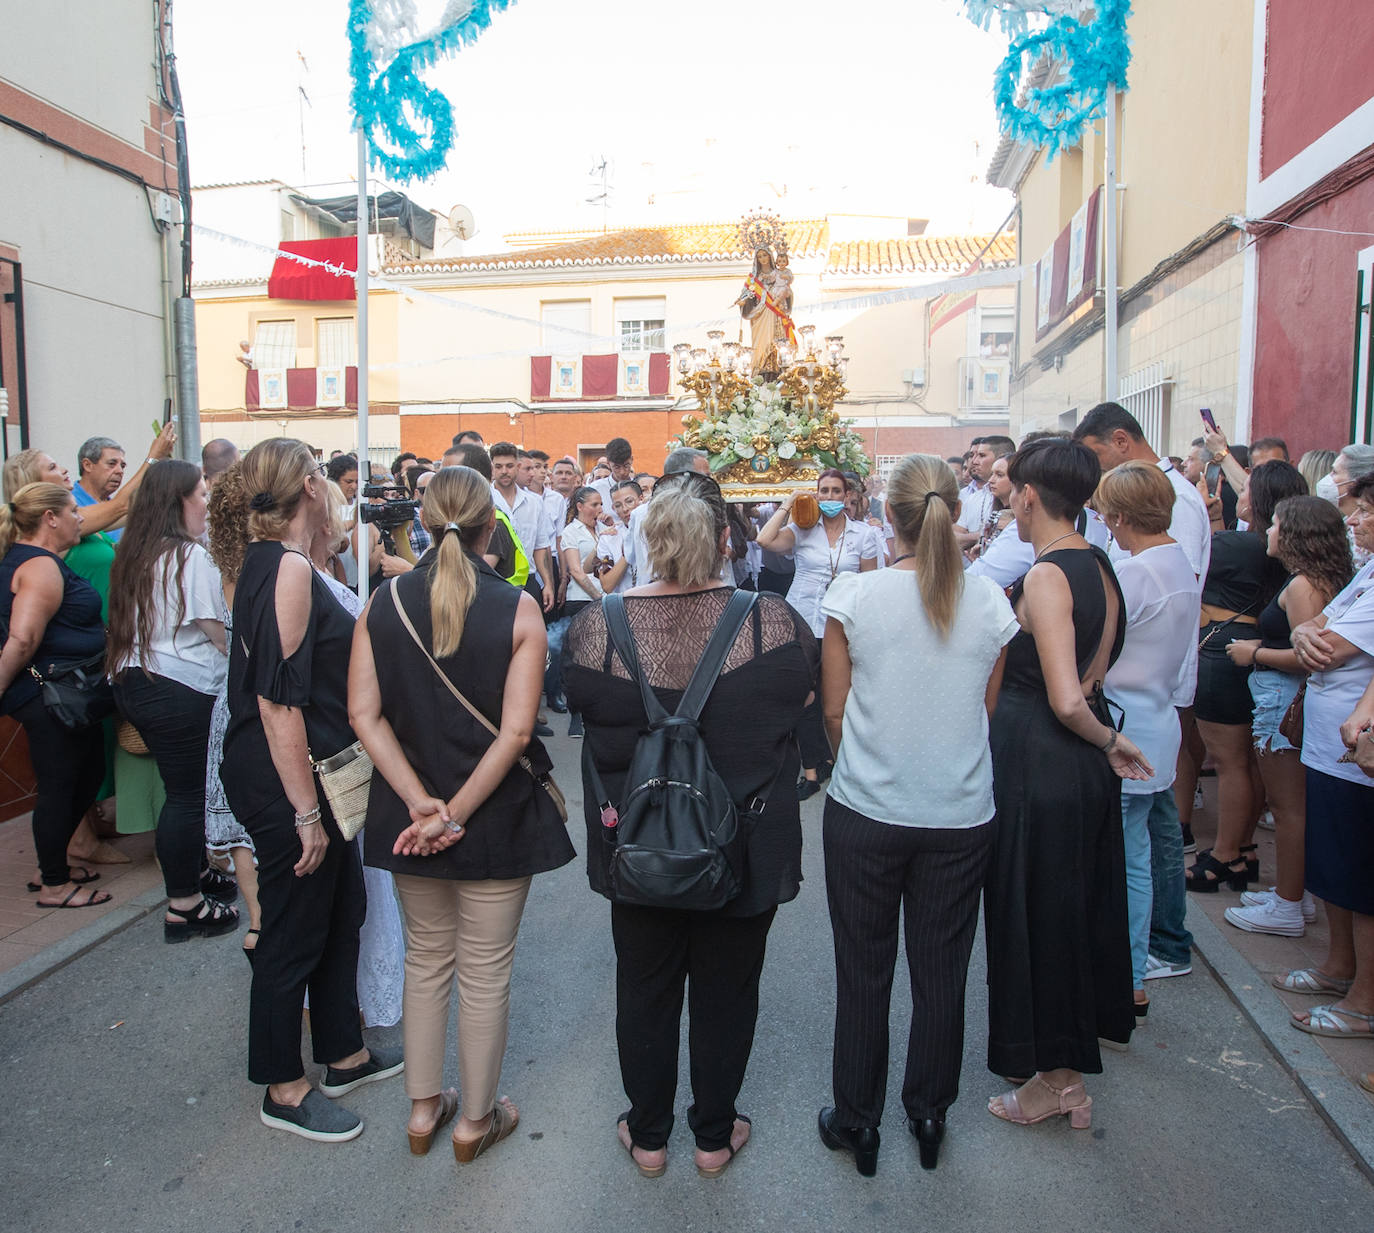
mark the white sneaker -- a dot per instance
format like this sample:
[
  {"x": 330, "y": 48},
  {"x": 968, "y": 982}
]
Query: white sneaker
[
  {"x": 1266, "y": 820},
  {"x": 1159, "y": 969},
  {"x": 1277, "y": 916},
  {"x": 1255, "y": 899}
]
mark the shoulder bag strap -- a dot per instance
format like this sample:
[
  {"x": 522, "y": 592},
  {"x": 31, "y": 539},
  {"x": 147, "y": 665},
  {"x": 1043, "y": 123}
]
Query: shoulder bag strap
[
  {"x": 619, "y": 632},
  {"x": 523, "y": 759},
  {"x": 712, "y": 660}
]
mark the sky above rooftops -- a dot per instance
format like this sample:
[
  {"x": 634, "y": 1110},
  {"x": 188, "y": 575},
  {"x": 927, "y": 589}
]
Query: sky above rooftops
[{"x": 702, "y": 111}]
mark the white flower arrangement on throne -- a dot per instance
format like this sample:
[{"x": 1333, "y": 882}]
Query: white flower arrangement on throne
[{"x": 764, "y": 429}]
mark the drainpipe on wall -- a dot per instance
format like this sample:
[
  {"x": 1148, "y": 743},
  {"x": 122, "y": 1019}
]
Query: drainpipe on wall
[{"x": 188, "y": 391}]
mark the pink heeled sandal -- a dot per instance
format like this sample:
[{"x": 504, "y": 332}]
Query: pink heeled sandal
[{"x": 1073, "y": 1103}]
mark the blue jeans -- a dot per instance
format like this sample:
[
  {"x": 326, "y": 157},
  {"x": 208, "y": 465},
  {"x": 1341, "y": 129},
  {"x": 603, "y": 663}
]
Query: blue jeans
[
  {"x": 1140, "y": 891},
  {"x": 1169, "y": 938}
]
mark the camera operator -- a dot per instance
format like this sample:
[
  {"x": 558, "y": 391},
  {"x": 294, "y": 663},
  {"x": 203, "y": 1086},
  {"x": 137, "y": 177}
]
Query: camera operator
[{"x": 388, "y": 516}]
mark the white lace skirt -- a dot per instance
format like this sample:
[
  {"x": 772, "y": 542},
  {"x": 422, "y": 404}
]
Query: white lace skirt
[{"x": 222, "y": 829}]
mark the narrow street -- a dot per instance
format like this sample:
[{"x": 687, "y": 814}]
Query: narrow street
[{"x": 127, "y": 1108}]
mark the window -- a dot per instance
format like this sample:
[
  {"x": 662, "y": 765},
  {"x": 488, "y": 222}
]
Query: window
[
  {"x": 996, "y": 332},
  {"x": 639, "y": 323},
  {"x": 274, "y": 345},
  {"x": 566, "y": 323},
  {"x": 335, "y": 338},
  {"x": 288, "y": 225}
]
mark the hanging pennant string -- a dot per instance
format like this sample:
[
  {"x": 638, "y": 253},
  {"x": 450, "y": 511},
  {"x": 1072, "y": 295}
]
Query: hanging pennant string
[
  {"x": 408, "y": 124},
  {"x": 579, "y": 341},
  {"x": 1089, "y": 57}
]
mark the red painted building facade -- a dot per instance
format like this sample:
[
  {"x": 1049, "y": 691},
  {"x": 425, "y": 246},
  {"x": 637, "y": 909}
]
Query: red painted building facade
[{"x": 1310, "y": 208}]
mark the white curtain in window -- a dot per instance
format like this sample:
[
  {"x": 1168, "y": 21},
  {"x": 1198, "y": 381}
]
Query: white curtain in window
[
  {"x": 274, "y": 345},
  {"x": 571, "y": 315},
  {"x": 335, "y": 338}
]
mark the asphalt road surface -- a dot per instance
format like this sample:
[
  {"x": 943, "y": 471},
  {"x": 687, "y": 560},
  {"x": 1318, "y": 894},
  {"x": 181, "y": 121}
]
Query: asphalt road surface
[{"x": 126, "y": 1107}]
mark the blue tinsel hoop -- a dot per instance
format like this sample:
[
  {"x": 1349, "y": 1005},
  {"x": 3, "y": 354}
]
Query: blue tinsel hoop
[
  {"x": 408, "y": 124},
  {"x": 1093, "y": 55}
]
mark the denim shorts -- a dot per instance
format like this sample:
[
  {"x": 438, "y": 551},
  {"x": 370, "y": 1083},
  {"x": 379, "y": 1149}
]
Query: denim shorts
[{"x": 1272, "y": 692}]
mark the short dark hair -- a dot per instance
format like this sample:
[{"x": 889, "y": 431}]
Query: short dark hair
[
  {"x": 955, "y": 460},
  {"x": 504, "y": 449},
  {"x": 398, "y": 462},
  {"x": 632, "y": 485},
  {"x": 1271, "y": 443},
  {"x": 1000, "y": 446},
  {"x": 471, "y": 454},
  {"x": 618, "y": 451},
  {"x": 338, "y": 467},
  {"x": 1270, "y": 483},
  {"x": 1241, "y": 453},
  {"x": 540, "y": 455},
  {"x": 468, "y": 434},
  {"x": 1065, "y": 474},
  {"x": 1105, "y": 419},
  {"x": 519, "y": 453}
]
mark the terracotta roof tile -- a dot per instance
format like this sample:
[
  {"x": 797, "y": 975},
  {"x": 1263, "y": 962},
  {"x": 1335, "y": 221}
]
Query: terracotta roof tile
[
  {"x": 919, "y": 254},
  {"x": 637, "y": 245}
]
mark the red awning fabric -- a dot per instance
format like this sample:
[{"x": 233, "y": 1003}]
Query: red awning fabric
[{"x": 292, "y": 281}]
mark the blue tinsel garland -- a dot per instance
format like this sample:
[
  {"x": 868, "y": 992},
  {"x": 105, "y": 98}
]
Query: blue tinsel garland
[
  {"x": 409, "y": 125},
  {"x": 1094, "y": 55}
]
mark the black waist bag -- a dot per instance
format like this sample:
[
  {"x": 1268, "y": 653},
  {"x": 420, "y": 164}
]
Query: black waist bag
[{"x": 678, "y": 840}]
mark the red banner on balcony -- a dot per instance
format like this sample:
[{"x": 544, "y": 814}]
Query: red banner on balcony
[{"x": 290, "y": 280}]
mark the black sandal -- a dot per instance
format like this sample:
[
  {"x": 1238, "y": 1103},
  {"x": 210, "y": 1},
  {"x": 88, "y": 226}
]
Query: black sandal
[
  {"x": 1208, "y": 873},
  {"x": 206, "y": 919},
  {"x": 250, "y": 952},
  {"x": 216, "y": 884},
  {"x": 77, "y": 874},
  {"x": 1251, "y": 862}
]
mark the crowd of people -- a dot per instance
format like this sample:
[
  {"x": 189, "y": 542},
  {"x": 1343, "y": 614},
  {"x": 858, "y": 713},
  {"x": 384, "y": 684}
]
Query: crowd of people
[{"x": 1092, "y": 626}]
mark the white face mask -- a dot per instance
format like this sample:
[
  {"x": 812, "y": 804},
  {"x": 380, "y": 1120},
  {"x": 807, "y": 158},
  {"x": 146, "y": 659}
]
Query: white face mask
[{"x": 1327, "y": 490}]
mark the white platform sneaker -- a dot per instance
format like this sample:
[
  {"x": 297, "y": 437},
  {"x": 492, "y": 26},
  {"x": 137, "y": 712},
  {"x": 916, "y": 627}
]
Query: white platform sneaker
[{"x": 1255, "y": 899}]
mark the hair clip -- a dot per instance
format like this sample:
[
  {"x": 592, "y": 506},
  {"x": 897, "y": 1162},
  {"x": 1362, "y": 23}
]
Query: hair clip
[{"x": 262, "y": 502}]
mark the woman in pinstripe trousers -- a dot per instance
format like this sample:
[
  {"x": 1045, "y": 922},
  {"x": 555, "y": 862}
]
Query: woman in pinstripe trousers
[{"x": 907, "y": 817}]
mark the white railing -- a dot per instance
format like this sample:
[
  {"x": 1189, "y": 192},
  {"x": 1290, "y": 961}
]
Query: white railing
[{"x": 1145, "y": 394}]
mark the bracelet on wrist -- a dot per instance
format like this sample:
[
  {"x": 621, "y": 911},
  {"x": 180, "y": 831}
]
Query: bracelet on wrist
[
  {"x": 1111, "y": 742},
  {"x": 308, "y": 818},
  {"x": 453, "y": 828}
]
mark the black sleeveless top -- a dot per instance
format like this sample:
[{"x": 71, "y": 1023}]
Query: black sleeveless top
[
  {"x": 74, "y": 632},
  {"x": 1081, "y": 569},
  {"x": 315, "y": 679},
  {"x": 516, "y": 831},
  {"x": 1274, "y": 630}
]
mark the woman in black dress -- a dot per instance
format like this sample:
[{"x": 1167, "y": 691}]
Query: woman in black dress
[
  {"x": 747, "y": 726},
  {"x": 288, "y": 706},
  {"x": 458, "y": 815},
  {"x": 1059, "y": 958}
]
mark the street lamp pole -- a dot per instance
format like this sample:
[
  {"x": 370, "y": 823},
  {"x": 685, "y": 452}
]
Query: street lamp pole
[{"x": 364, "y": 466}]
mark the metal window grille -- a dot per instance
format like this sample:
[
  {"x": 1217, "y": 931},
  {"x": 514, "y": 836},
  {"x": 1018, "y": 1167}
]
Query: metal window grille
[
  {"x": 885, "y": 463},
  {"x": 1145, "y": 393},
  {"x": 644, "y": 335}
]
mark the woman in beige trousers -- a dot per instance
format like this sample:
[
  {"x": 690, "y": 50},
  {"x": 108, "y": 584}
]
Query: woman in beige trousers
[{"x": 461, "y": 817}]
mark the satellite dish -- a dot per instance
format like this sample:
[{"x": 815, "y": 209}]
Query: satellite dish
[{"x": 461, "y": 222}]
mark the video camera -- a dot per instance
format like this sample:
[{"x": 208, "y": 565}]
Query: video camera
[{"x": 391, "y": 513}]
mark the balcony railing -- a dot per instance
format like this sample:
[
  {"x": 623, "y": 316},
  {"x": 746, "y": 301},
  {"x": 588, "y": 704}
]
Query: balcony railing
[{"x": 300, "y": 389}]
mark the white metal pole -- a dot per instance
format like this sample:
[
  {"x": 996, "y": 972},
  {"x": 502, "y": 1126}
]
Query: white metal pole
[
  {"x": 1109, "y": 191},
  {"x": 364, "y": 466}
]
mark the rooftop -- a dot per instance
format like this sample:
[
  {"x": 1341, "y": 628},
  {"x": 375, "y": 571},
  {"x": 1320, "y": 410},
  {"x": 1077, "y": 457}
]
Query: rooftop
[{"x": 695, "y": 242}]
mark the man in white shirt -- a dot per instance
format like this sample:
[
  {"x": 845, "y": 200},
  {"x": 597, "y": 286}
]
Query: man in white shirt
[
  {"x": 976, "y": 499},
  {"x": 525, "y": 511},
  {"x": 1115, "y": 436}
]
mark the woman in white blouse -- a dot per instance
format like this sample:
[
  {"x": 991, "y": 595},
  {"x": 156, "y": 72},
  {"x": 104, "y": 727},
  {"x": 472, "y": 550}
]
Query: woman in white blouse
[
  {"x": 168, "y": 659},
  {"x": 908, "y": 812},
  {"x": 835, "y": 545}
]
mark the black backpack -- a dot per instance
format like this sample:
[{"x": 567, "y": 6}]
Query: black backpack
[{"x": 678, "y": 838}]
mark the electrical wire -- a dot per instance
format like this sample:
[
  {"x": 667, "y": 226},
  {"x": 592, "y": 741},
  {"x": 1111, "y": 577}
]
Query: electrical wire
[{"x": 1242, "y": 223}]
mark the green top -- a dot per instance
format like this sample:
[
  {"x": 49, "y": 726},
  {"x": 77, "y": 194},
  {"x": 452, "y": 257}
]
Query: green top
[{"x": 92, "y": 559}]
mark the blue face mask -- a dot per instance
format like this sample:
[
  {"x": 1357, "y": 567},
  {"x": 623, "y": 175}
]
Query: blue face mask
[{"x": 831, "y": 508}]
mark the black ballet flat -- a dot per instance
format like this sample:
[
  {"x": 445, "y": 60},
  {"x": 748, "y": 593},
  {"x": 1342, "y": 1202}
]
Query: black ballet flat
[
  {"x": 929, "y": 1133},
  {"x": 861, "y": 1141},
  {"x": 807, "y": 788}
]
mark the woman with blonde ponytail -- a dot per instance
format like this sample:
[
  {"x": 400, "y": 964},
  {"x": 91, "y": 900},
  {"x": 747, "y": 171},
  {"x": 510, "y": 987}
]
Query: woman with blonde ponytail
[
  {"x": 458, "y": 816},
  {"x": 908, "y": 811}
]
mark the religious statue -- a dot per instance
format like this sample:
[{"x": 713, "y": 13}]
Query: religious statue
[{"x": 766, "y": 300}]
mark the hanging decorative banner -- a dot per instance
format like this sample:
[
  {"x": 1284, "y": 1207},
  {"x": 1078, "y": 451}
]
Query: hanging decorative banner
[
  {"x": 1089, "y": 55},
  {"x": 408, "y": 124}
]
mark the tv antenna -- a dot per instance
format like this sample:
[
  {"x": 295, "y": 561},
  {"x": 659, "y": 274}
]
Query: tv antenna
[{"x": 601, "y": 171}]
